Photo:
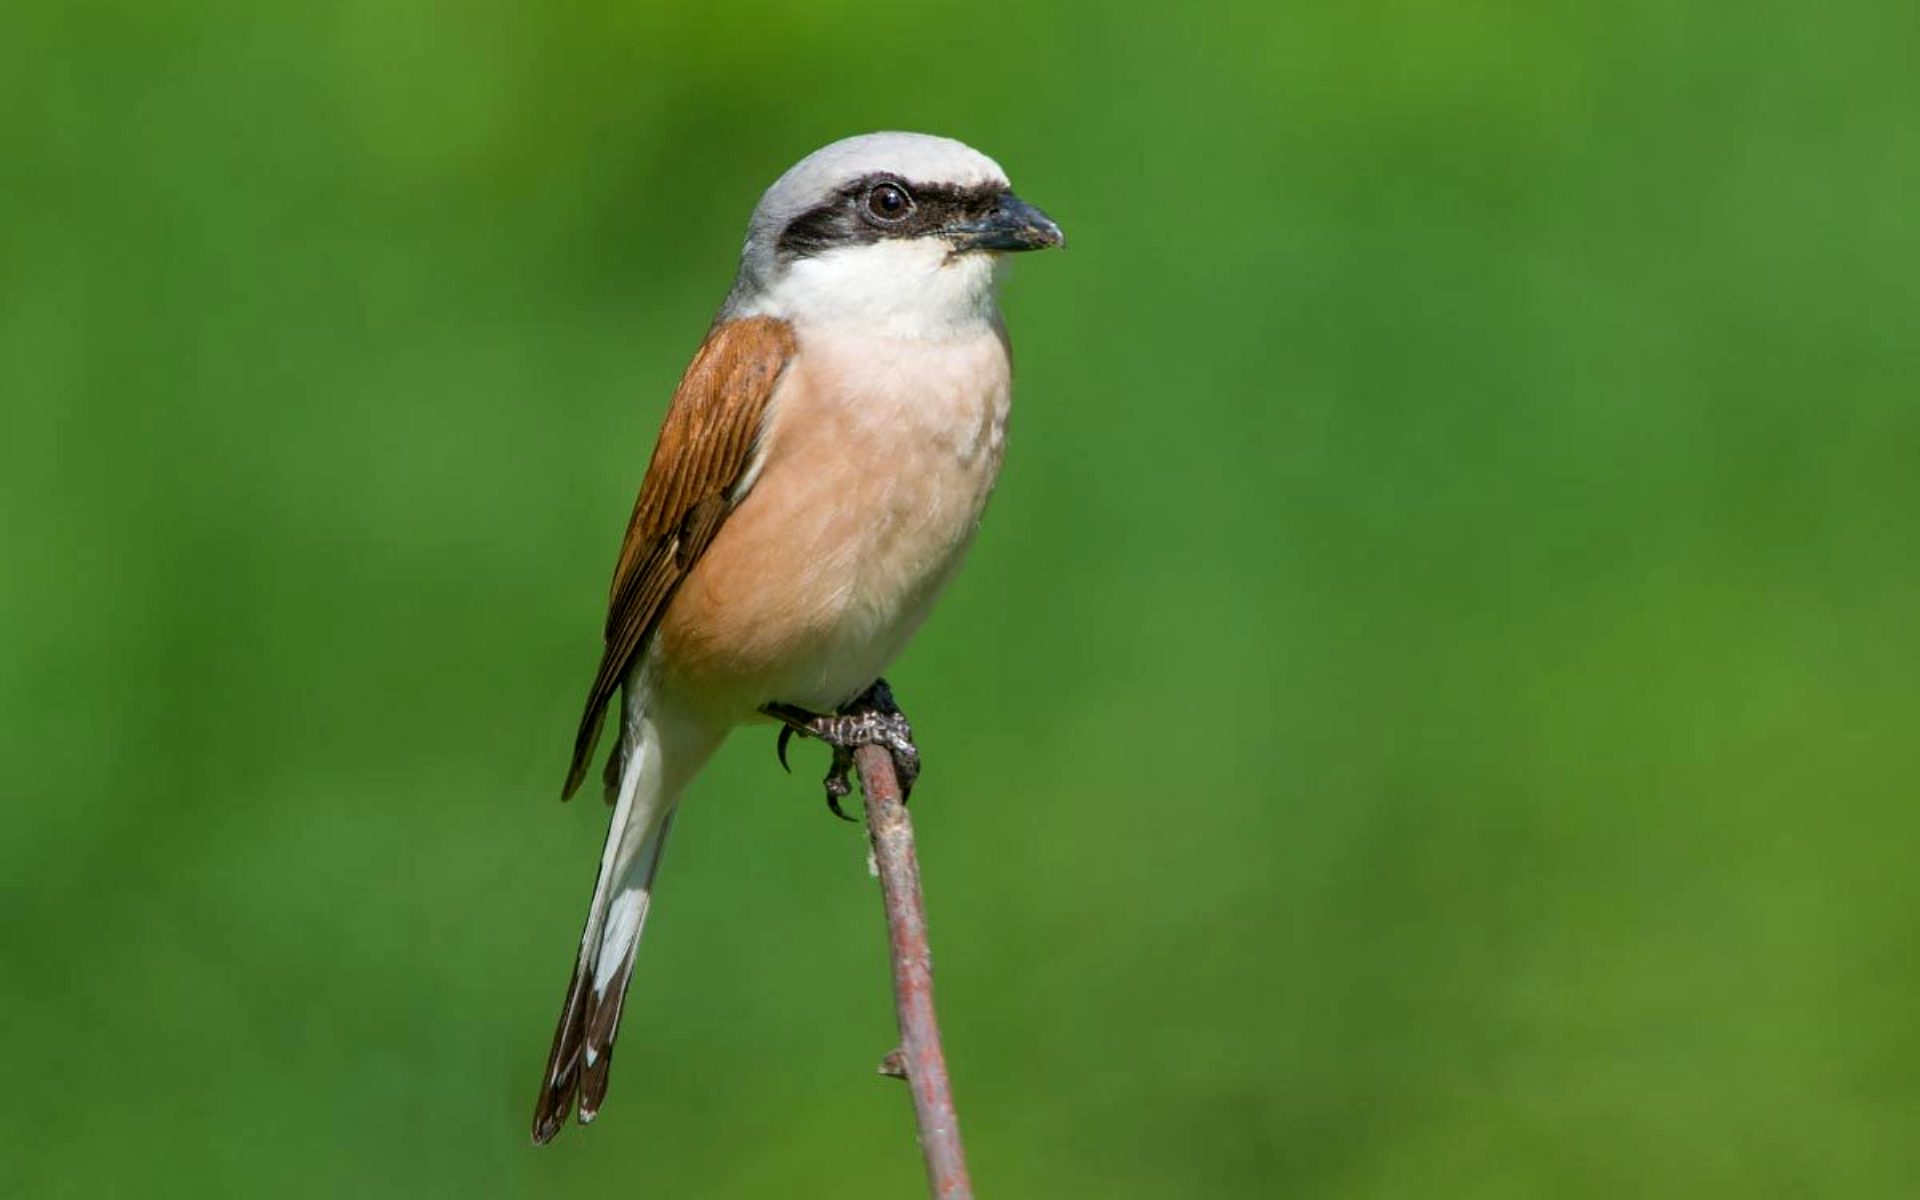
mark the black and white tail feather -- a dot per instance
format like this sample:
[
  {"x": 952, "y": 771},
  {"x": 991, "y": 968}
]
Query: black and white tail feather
[{"x": 644, "y": 775}]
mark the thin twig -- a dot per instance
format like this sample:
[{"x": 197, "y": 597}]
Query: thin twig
[{"x": 925, "y": 1064}]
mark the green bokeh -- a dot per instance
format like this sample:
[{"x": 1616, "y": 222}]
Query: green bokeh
[{"x": 1432, "y": 711}]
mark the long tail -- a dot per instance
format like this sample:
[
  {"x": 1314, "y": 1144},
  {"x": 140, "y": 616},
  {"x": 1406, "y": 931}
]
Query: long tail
[{"x": 658, "y": 755}]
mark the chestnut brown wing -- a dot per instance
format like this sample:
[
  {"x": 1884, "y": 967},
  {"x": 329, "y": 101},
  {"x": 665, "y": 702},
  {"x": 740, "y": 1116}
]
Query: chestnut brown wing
[{"x": 705, "y": 447}]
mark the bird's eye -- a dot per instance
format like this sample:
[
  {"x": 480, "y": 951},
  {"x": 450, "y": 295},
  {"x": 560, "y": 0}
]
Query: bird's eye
[{"x": 889, "y": 202}]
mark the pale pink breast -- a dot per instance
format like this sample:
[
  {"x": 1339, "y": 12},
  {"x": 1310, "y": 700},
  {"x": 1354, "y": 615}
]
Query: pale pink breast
[{"x": 880, "y": 457}]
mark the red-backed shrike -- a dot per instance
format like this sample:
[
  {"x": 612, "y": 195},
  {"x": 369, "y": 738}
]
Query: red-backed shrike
[{"x": 818, "y": 477}]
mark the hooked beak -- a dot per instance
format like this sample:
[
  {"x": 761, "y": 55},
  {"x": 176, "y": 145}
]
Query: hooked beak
[{"x": 1012, "y": 225}]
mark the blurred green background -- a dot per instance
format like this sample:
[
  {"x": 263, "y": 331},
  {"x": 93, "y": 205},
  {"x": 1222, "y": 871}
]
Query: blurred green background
[{"x": 1431, "y": 712}]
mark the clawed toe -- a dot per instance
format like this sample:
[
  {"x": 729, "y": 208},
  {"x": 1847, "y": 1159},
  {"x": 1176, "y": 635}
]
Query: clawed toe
[
  {"x": 871, "y": 719},
  {"x": 838, "y": 785}
]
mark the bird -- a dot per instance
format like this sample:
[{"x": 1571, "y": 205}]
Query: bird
[{"x": 819, "y": 475}]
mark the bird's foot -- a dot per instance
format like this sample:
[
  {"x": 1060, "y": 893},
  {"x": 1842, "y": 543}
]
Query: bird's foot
[{"x": 870, "y": 719}]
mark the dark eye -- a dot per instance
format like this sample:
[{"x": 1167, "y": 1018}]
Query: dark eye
[{"x": 889, "y": 202}]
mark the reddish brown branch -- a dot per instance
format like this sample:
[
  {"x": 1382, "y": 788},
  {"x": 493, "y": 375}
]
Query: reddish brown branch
[{"x": 920, "y": 1057}]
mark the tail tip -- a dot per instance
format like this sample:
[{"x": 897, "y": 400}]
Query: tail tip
[
  {"x": 548, "y": 1123},
  {"x": 545, "y": 1127},
  {"x": 550, "y": 1116}
]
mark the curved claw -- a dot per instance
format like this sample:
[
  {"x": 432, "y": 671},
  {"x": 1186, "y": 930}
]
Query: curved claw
[
  {"x": 837, "y": 784},
  {"x": 780, "y": 748},
  {"x": 906, "y": 767}
]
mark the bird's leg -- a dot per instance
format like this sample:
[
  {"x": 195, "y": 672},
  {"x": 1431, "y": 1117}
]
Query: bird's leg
[{"x": 870, "y": 719}]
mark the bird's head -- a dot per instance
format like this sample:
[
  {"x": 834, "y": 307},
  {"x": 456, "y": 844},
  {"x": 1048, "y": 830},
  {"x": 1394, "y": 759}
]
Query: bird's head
[{"x": 901, "y": 231}]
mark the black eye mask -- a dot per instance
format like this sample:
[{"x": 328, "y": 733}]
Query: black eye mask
[{"x": 853, "y": 215}]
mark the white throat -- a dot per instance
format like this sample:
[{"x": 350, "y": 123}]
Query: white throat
[{"x": 906, "y": 288}]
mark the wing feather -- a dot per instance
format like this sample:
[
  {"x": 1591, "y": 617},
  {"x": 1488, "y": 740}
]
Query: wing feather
[{"x": 705, "y": 448}]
